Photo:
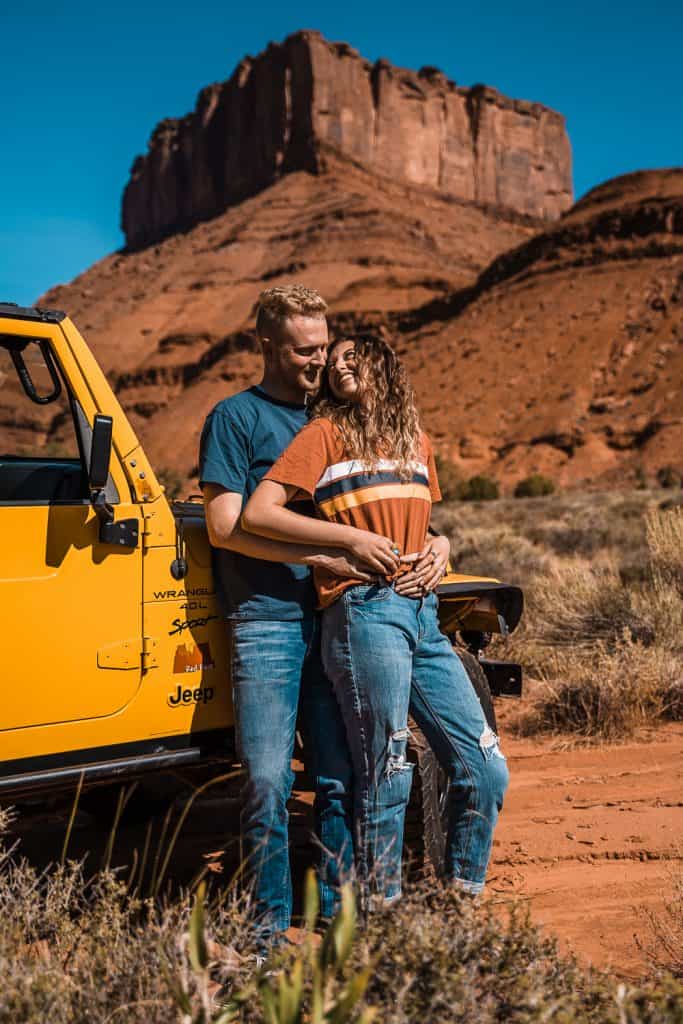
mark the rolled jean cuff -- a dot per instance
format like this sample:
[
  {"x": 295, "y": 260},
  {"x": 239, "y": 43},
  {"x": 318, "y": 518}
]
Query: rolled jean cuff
[{"x": 474, "y": 888}]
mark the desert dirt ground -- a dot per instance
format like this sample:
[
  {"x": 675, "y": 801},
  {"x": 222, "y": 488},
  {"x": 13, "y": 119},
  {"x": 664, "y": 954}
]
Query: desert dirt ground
[{"x": 589, "y": 837}]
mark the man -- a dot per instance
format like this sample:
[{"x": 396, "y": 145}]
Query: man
[{"x": 267, "y": 596}]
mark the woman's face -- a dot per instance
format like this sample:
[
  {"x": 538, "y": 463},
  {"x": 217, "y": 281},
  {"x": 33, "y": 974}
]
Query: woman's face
[{"x": 341, "y": 370}]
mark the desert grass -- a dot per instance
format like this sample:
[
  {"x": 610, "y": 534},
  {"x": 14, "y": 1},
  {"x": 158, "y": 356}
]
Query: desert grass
[
  {"x": 602, "y": 635},
  {"x": 663, "y": 945},
  {"x": 75, "y": 948},
  {"x": 613, "y": 694},
  {"x": 665, "y": 543}
]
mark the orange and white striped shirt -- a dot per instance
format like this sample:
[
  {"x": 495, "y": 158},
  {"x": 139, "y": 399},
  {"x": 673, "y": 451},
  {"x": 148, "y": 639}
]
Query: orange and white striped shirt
[{"x": 348, "y": 491}]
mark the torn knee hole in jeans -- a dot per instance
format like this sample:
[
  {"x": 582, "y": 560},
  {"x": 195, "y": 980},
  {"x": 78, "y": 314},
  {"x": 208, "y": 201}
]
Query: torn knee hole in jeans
[
  {"x": 489, "y": 743},
  {"x": 396, "y": 753}
]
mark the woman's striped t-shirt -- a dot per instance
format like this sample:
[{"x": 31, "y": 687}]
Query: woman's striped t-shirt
[{"x": 349, "y": 492}]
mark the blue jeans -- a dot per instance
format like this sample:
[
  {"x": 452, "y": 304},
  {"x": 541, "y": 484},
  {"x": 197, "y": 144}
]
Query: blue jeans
[
  {"x": 276, "y": 667},
  {"x": 386, "y": 656}
]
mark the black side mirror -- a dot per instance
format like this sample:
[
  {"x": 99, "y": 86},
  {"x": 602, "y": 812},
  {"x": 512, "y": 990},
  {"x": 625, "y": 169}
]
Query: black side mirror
[{"x": 100, "y": 452}]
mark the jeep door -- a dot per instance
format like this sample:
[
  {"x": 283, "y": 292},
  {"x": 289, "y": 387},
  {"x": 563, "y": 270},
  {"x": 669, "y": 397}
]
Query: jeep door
[{"x": 70, "y": 606}]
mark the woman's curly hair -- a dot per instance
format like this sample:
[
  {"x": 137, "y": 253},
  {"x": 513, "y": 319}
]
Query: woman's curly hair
[{"x": 382, "y": 421}]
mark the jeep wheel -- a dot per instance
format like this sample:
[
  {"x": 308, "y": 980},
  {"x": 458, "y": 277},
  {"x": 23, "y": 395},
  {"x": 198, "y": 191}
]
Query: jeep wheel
[
  {"x": 426, "y": 815},
  {"x": 480, "y": 684}
]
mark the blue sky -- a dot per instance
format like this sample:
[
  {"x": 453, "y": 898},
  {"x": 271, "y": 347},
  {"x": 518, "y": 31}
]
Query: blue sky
[{"x": 82, "y": 85}]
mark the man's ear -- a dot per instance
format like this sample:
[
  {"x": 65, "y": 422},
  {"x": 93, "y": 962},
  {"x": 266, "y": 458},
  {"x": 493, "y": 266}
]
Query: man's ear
[{"x": 266, "y": 347}]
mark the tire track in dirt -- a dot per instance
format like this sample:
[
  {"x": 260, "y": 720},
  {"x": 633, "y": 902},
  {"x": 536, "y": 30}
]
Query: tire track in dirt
[{"x": 588, "y": 837}]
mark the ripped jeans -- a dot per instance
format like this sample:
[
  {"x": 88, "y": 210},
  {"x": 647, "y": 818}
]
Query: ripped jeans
[{"x": 386, "y": 656}]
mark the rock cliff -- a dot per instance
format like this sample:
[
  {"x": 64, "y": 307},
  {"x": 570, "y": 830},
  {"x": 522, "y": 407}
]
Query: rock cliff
[{"x": 299, "y": 102}]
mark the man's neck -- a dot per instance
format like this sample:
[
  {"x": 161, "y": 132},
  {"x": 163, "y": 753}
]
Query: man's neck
[{"x": 275, "y": 388}]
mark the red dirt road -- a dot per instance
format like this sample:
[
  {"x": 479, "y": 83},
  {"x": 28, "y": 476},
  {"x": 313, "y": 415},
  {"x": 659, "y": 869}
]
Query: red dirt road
[{"x": 591, "y": 835}]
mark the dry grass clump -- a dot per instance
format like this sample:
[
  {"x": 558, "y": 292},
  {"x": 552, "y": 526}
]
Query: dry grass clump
[
  {"x": 610, "y": 657},
  {"x": 665, "y": 543},
  {"x": 663, "y": 948},
  {"x": 579, "y": 604},
  {"x": 440, "y": 957},
  {"x": 74, "y": 948},
  {"x": 610, "y": 695}
]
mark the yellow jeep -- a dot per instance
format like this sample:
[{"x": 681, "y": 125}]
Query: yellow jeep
[{"x": 115, "y": 659}]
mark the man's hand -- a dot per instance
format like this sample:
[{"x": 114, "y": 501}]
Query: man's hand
[
  {"x": 428, "y": 568},
  {"x": 343, "y": 563}
]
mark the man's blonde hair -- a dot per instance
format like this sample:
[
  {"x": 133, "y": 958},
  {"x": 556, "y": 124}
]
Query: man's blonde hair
[{"x": 276, "y": 304}]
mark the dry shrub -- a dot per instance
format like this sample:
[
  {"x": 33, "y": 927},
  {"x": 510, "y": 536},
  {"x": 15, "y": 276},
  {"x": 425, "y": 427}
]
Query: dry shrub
[
  {"x": 439, "y": 957},
  {"x": 665, "y": 542},
  {"x": 603, "y": 632},
  {"x": 498, "y": 552},
  {"x": 78, "y": 949},
  {"x": 534, "y": 486},
  {"x": 579, "y": 603},
  {"x": 449, "y": 478},
  {"x": 609, "y": 695},
  {"x": 664, "y": 946}
]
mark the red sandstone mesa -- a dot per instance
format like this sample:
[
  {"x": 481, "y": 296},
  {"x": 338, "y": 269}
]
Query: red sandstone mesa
[{"x": 285, "y": 109}]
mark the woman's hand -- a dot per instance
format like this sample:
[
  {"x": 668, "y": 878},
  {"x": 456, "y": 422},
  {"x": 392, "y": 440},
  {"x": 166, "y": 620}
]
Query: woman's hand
[
  {"x": 380, "y": 553},
  {"x": 428, "y": 568}
]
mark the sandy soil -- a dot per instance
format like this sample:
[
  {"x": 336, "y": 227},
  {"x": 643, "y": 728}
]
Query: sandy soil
[{"x": 589, "y": 836}]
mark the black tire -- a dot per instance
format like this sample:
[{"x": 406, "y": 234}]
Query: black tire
[
  {"x": 480, "y": 684},
  {"x": 426, "y": 815},
  {"x": 425, "y": 838}
]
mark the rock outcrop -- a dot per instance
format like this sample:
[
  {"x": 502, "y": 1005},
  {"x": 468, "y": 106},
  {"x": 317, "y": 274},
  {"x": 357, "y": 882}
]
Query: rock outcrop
[{"x": 300, "y": 101}]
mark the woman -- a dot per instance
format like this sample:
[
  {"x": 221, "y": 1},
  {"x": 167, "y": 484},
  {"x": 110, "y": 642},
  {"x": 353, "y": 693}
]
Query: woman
[{"x": 370, "y": 471}]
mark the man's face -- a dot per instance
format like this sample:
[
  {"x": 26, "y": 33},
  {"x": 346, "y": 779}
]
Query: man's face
[{"x": 298, "y": 354}]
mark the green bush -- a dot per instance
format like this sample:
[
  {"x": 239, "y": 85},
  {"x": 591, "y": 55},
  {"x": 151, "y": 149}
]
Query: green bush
[
  {"x": 479, "y": 488},
  {"x": 534, "y": 486},
  {"x": 669, "y": 476}
]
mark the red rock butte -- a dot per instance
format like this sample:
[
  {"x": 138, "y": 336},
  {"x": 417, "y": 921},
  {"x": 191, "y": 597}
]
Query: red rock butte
[{"x": 286, "y": 109}]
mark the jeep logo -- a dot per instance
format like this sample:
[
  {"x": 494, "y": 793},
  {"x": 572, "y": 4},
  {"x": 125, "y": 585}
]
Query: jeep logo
[{"x": 202, "y": 695}]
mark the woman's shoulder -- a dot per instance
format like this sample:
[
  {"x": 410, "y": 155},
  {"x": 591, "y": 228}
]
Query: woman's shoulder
[
  {"x": 317, "y": 440},
  {"x": 323, "y": 427}
]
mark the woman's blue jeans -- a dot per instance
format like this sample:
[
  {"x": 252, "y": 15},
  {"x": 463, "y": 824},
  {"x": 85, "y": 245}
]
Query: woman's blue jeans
[
  {"x": 386, "y": 656},
  {"x": 276, "y": 670}
]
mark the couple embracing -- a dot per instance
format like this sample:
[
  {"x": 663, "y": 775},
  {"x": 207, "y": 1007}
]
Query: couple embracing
[{"x": 318, "y": 486}]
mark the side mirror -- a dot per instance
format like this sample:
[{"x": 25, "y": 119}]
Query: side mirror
[{"x": 100, "y": 452}]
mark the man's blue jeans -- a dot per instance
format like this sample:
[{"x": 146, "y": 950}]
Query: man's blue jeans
[
  {"x": 386, "y": 655},
  {"x": 276, "y": 667}
]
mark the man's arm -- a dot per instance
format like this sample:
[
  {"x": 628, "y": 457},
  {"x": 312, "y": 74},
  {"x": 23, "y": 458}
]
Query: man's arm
[
  {"x": 223, "y": 509},
  {"x": 265, "y": 513}
]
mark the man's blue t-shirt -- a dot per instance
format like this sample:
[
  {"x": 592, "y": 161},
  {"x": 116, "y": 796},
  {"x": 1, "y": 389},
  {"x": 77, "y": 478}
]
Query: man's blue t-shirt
[{"x": 242, "y": 437}]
